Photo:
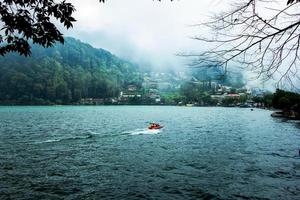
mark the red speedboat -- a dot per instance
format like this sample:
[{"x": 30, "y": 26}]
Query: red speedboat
[{"x": 154, "y": 126}]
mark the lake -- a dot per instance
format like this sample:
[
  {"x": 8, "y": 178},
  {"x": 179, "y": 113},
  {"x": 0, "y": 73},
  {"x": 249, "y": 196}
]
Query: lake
[{"x": 106, "y": 152}]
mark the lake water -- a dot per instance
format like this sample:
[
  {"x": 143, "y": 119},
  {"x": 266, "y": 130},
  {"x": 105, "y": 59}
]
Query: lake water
[{"x": 81, "y": 152}]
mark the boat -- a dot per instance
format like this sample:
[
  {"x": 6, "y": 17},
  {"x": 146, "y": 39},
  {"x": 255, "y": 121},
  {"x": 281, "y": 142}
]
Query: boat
[
  {"x": 277, "y": 114},
  {"x": 245, "y": 105},
  {"x": 190, "y": 105},
  {"x": 154, "y": 126}
]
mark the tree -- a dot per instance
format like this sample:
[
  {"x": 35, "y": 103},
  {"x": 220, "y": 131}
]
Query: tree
[
  {"x": 286, "y": 100},
  {"x": 25, "y": 20},
  {"x": 256, "y": 35}
]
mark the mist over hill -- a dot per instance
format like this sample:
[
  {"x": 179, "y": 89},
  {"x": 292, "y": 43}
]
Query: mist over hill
[{"x": 217, "y": 74}]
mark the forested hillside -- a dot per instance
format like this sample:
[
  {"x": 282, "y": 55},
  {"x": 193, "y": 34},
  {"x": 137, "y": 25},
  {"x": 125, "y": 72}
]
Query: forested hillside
[{"x": 63, "y": 74}]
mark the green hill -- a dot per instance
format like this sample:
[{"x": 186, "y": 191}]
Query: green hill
[{"x": 63, "y": 74}]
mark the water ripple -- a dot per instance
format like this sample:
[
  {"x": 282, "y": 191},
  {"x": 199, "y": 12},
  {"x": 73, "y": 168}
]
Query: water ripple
[{"x": 108, "y": 153}]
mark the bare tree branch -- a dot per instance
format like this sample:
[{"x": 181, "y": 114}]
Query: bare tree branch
[{"x": 257, "y": 35}]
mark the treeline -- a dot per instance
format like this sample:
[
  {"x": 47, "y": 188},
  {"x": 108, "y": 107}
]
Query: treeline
[
  {"x": 63, "y": 74},
  {"x": 196, "y": 93},
  {"x": 287, "y": 102},
  {"x": 201, "y": 94},
  {"x": 283, "y": 100}
]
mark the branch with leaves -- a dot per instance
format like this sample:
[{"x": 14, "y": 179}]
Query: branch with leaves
[{"x": 25, "y": 20}]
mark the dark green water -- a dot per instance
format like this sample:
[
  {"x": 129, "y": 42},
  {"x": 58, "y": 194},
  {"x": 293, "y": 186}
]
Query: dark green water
[{"x": 105, "y": 153}]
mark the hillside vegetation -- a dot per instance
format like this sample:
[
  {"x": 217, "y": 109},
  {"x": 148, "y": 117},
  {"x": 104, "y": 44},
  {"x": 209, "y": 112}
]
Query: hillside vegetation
[{"x": 63, "y": 74}]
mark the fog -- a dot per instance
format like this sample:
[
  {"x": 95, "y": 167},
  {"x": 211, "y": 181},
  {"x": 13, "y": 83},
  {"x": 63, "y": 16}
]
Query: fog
[
  {"x": 143, "y": 31},
  {"x": 149, "y": 33}
]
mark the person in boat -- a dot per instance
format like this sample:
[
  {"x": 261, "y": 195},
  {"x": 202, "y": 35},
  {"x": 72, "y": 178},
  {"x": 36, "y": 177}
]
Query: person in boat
[{"x": 154, "y": 126}]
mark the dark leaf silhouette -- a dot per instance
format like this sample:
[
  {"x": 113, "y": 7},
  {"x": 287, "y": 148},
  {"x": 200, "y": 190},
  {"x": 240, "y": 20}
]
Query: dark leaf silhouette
[
  {"x": 25, "y": 20},
  {"x": 292, "y": 1}
]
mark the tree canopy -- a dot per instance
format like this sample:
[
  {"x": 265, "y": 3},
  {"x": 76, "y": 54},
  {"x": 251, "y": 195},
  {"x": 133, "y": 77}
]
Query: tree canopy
[
  {"x": 24, "y": 20},
  {"x": 285, "y": 100},
  {"x": 63, "y": 74}
]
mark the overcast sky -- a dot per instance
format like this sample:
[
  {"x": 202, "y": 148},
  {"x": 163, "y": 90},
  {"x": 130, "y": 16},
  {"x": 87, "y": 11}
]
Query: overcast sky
[{"x": 145, "y": 31}]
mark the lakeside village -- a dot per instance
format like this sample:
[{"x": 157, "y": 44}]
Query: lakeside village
[{"x": 182, "y": 90}]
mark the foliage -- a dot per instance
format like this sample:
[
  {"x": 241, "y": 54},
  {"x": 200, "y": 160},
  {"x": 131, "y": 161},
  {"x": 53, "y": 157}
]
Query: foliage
[
  {"x": 292, "y": 1},
  {"x": 63, "y": 74},
  {"x": 172, "y": 98},
  {"x": 229, "y": 101},
  {"x": 195, "y": 93},
  {"x": 281, "y": 99},
  {"x": 266, "y": 99},
  {"x": 286, "y": 100},
  {"x": 243, "y": 98},
  {"x": 32, "y": 19}
]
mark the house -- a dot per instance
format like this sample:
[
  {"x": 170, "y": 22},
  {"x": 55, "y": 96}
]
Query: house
[
  {"x": 131, "y": 87},
  {"x": 125, "y": 96},
  {"x": 92, "y": 101},
  {"x": 236, "y": 96},
  {"x": 153, "y": 84},
  {"x": 164, "y": 86}
]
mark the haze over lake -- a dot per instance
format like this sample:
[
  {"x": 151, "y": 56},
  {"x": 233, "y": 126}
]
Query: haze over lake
[{"x": 106, "y": 152}]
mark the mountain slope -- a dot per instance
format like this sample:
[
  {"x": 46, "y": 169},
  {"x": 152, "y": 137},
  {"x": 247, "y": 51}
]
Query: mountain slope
[{"x": 63, "y": 74}]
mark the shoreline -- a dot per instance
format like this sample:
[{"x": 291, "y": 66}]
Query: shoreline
[
  {"x": 275, "y": 112},
  {"x": 175, "y": 105}
]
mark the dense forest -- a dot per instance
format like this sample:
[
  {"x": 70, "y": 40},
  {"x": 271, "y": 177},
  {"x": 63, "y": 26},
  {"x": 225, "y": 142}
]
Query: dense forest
[
  {"x": 287, "y": 101},
  {"x": 63, "y": 74}
]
